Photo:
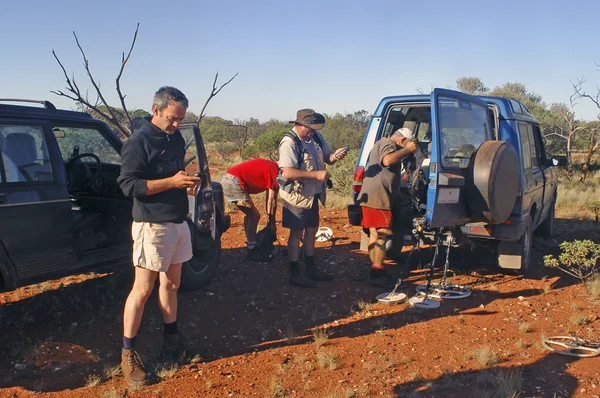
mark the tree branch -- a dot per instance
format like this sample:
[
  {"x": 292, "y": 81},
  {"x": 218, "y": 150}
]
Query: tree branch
[
  {"x": 213, "y": 93},
  {"x": 124, "y": 60}
]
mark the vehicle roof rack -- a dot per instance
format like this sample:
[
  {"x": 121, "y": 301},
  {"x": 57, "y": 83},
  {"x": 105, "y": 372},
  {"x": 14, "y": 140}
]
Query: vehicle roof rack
[{"x": 47, "y": 104}]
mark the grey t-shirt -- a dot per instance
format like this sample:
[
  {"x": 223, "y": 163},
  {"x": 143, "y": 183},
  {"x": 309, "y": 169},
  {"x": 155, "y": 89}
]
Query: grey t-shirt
[
  {"x": 288, "y": 157},
  {"x": 380, "y": 184}
]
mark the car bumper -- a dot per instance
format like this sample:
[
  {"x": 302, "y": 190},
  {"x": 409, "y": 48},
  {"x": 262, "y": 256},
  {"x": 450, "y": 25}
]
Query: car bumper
[{"x": 511, "y": 230}]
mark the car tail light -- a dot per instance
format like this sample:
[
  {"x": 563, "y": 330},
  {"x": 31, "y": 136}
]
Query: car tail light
[
  {"x": 484, "y": 230},
  {"x": 359, "y": 174}
]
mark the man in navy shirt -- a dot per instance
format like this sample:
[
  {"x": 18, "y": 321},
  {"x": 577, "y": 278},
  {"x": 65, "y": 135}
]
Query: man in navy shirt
[{"x": 152, "y": 174}]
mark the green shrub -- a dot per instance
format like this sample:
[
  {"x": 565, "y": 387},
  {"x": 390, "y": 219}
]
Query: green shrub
[{"x": 578, "y": 258}]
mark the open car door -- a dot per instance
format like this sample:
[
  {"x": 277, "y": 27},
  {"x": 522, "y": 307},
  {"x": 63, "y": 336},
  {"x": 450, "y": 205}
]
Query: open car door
[
  {"x": 196, "y": 163},
  {"x": 472, "y": 178}
]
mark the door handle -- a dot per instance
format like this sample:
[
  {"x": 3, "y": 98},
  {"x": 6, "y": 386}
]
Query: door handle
[{"x": 2, "y": 197}]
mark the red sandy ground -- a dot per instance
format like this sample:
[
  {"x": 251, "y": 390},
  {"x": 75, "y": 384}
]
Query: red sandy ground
[{"x": 255, "y": 331}]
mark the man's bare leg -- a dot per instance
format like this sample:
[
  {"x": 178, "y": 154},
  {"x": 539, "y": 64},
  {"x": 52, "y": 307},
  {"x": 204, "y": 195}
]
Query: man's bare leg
[
  {"x": 136, "y": 300},
  {"x": 167, "y": 292},
  {"x": 251, "y": 219}
]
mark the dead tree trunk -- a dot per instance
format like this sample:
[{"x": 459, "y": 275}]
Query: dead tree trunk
[{"x": 590, "y": 154}]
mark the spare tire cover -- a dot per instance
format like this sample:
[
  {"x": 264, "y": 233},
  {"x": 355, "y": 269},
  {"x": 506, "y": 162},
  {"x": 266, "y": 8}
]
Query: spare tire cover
[{"x": 493, "y": 182}]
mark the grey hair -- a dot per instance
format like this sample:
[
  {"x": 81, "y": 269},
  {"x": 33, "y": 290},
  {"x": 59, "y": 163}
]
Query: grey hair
[{"x": 167, "y": 94}]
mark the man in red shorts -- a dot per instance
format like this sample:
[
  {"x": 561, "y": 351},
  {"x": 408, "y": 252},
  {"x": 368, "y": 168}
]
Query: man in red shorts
[
  {"x": 252, "y": 177},
  {"x": 380, "y": 186}
]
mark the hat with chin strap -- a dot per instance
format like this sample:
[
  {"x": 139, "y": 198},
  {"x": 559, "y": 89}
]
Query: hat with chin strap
[{"x": 310, "y": 119}]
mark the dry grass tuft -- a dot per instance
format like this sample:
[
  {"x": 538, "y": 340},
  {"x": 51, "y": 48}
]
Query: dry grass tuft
[
  {"x": 321, "y": 335},
  {"x": 165, "y": 371},
  {"x": 486, "y": 356},
  {"x": 327, "y": 359},
  {"x": 93, "y": 380}
]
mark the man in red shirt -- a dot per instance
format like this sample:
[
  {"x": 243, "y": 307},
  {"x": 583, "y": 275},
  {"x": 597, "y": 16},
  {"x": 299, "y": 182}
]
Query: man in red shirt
[{"x": 252, "y": 177}]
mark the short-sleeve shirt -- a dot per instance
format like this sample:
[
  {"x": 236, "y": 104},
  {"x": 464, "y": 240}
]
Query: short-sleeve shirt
[
  {"x": 256, "y": 175},
  {"x": 288, "y": 157},
  {"x": 380, "y": 184}
]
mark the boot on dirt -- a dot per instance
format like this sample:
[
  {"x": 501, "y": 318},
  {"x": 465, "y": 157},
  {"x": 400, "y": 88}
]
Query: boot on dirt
[
  {"x": 133, "y": 367},
  {"x": 175, "y": 350},
  {"x": 298, "y": 278},
  {"x": 380, "y": 278},
  {"x": 313, "y": 273}
]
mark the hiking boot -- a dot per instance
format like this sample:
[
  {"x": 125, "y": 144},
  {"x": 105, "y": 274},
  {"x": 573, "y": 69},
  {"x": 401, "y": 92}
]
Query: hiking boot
[
  {"x": 298, "y": 278},
  {"x": 313, "y": 273},
  {"x": 380, "y": 278},
  {"x": 174, "y": 350},
  {"x": 133, "y": 367},
  {"x": 255, "y": 254},
  {"x": 385, "y": 282}
]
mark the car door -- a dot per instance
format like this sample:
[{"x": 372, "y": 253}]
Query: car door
[
  {"x": 533, "y": 174},
  {"x": 547, "y": 180},
  {"x": 196, "y": 162},
  {"x": 460, "y": 124},
  {"x": 35, "y": 216}
]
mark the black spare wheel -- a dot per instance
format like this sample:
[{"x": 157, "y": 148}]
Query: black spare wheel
[{"x": 493, "y": 182}]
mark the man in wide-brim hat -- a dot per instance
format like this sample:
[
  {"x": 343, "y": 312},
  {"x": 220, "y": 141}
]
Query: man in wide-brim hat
[{"x": 302, "y": 156}]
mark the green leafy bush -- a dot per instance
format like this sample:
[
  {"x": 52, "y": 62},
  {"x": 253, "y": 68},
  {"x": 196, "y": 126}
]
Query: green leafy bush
[{"x": 578, "y": 258}]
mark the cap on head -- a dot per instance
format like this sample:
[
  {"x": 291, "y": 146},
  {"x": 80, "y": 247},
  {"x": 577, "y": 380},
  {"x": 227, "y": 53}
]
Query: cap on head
[
  {"x": 406, "y": 133},
  {"x": 309, "y": 118}
]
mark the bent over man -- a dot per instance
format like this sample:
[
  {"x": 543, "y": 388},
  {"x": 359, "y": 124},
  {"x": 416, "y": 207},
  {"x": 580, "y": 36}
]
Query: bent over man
[
  {"x": 381, "y": 185},
  {"x": 252, "y": 177},
  {"x": 302, "y": 156},
  {"x": 152, "y": 164}
]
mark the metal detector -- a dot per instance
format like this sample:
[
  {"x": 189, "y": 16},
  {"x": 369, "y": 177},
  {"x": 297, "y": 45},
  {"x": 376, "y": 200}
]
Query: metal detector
[
  {"x": 444, "y": 290},
  {"x": 420, "y": 299}
]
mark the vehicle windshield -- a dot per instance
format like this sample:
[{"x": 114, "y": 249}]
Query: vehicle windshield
[{"x": 463, "y": 128}]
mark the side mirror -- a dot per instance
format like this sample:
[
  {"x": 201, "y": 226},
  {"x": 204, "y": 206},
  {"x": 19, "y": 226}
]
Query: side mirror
[{"x": 559, "y": 161}]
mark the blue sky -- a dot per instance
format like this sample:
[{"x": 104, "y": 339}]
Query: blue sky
[{"x": 333, "y": 56}]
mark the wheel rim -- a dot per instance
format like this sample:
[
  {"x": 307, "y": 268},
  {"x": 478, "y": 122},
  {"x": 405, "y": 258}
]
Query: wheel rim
[{"x": 208, "y": 258}]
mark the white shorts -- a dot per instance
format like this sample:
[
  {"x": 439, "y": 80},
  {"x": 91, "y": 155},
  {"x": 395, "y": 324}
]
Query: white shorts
[{"x": 158, "y": 245}]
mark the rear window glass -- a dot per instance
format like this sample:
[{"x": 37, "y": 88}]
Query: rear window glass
[{"x": 464, "y": 127}]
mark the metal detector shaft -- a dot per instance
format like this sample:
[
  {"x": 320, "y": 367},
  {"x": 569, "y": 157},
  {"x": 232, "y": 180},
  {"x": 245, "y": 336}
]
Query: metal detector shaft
[{"x": 406, "y": 265}]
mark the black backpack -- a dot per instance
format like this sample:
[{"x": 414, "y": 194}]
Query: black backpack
[{"x": 265, "y": 239}]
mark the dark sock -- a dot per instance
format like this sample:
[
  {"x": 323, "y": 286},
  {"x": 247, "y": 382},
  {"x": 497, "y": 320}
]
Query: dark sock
[
  {"x": 129, "y": 342},
  {"x": 171, "y": 328},
  {"x": 309, "y": 260}
]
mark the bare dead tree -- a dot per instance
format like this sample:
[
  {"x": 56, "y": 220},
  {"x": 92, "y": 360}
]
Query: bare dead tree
[
  {"x": 588, "y": 158},
  {"x": 74, "y": 93},
  {"x": 572, "y": 124},
  {"x": 213, "y": 93},
  {"x": 110, "y": 114},
  {"x": 595, "y": 98}
]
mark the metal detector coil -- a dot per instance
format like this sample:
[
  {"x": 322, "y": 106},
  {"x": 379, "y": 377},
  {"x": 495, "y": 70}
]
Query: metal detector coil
[
  {"x": 424, "y": 302},
  {"x": 391, "y": 298},
  {"x": 445, "y": 292},
  {"x": 324, "y": 234},
  {"x": 572, "y": 346}
]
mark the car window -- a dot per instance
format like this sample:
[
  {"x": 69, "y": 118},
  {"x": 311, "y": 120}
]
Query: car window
[
  {"x": 524, "y": 134},
  {"x": 24, "y": 154},
  {"x": 74, "y": 140},
  {"x": 539, "y": 146},
  {"x": 464, "y": 127}
]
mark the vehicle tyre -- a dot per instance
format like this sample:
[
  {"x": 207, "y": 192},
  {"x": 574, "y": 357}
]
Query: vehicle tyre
[
  {"x": 546, "y": 228},
  {"x": 493, "y": 182},
  {"x": 199, "y": 271},
  {"x": 525, "y": 241}
]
